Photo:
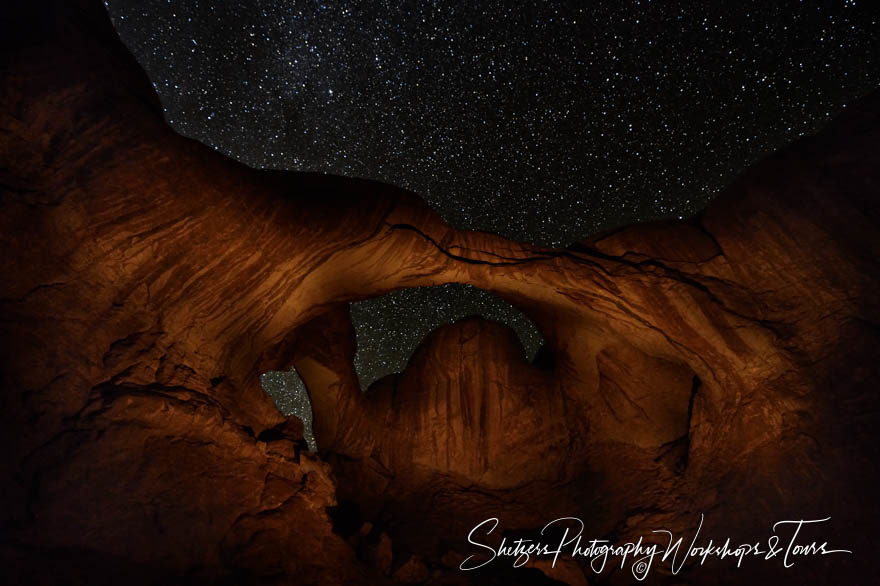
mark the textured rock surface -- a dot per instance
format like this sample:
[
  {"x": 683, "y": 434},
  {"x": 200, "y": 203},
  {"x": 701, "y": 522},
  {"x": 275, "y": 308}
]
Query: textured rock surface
[{"x": 723, "y": 365}]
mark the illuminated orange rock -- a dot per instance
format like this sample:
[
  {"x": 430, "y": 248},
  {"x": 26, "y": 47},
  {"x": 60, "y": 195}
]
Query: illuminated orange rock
[{"x": 725, "y": 364}]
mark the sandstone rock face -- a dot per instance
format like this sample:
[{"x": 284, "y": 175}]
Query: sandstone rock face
[
  {"x": 491, "y": 405},
  {"x": 723, "y": 365}
]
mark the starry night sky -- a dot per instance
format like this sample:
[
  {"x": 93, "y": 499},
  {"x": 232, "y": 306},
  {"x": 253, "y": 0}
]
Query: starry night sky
[{"x": 543, "y": 122}]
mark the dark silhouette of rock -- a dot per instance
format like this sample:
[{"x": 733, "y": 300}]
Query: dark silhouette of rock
[{"x": 724, "y": 365}]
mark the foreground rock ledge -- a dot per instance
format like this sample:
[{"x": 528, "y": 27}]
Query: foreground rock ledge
[{"x": 723, "y": 365}]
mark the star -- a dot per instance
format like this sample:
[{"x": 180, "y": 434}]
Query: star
[{"x": 292, "y": 399}]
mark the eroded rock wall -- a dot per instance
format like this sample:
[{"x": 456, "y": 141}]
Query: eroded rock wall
[{"x": 724, "y": 365}]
